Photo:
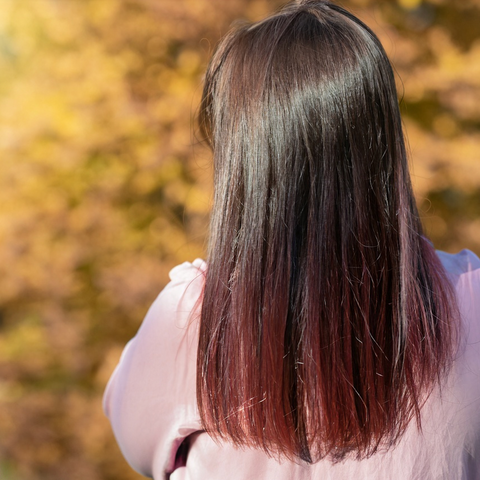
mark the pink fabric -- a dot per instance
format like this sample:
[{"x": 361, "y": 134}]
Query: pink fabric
[{"x": 150, "y": 401}]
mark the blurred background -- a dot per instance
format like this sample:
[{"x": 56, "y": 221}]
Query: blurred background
[{"x": 104, "y": 187}]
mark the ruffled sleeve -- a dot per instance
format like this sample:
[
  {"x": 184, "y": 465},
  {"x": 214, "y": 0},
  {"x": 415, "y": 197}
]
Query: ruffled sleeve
[{"x": 150, "y": 398}]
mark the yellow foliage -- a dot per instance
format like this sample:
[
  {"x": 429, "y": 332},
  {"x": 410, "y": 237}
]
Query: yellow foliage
[
  {"x": 104, "y": 188},
  {"x": 410, "y": 4}
]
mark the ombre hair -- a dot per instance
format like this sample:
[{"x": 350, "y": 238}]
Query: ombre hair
[{"x": 327, "y": 318}]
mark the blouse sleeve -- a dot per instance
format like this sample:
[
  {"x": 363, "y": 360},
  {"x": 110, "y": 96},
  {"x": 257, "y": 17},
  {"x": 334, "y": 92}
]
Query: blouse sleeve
[{"x": 150, "y": 398}]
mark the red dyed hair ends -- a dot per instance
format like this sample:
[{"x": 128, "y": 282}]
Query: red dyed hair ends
[{"x": 327, "y": 318}]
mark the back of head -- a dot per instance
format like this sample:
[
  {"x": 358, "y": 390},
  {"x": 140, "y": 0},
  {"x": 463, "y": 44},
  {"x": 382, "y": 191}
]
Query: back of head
[{"x": 326, "y": 314}]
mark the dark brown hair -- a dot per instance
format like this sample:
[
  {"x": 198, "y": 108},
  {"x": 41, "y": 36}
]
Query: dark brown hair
[{"x": 327, "y": 317}]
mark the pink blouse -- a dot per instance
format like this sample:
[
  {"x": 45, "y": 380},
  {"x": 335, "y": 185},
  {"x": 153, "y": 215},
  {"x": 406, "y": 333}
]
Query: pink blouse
[{"x": 150, "y": 401}]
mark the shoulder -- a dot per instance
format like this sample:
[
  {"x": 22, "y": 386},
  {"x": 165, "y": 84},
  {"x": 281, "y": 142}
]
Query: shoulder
[
  {"x": 187, "y": 270},
  {"x": 461, "y": 395},
  {"x": 150, "y": 399},
  {"x": 463, "y": 269},
  {"x": 182, "y": 294},
  {"x": 186, "y": 279},
  {"x": 460, "y": 263},
  {"x": 176, "y": 306}
]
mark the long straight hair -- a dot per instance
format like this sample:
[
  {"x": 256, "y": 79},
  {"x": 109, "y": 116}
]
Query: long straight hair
[{"x": 327, "y": 318}]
